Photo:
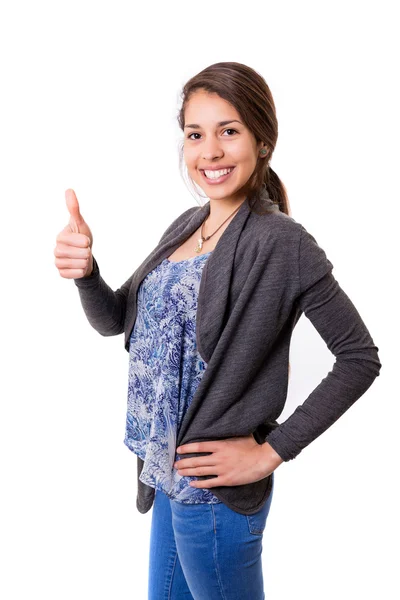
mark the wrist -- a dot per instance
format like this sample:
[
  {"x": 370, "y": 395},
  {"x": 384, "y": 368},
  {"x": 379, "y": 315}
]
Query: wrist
[
  {"x": 90, "y": 267},
  {"x": 270, "y": 457}
]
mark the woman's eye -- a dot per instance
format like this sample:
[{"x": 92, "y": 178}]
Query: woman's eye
[{"x": 229, "y": 129}]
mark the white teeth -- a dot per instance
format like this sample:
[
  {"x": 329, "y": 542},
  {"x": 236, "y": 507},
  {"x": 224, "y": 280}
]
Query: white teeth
[{"x": 216, "y": 174}]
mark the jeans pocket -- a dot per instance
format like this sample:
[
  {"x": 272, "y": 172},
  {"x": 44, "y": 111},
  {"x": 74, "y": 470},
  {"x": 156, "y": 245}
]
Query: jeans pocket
[{"x": 258, "y": 520}]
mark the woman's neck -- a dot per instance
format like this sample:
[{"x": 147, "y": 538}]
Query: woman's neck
[{"x": 221, "y": 210}]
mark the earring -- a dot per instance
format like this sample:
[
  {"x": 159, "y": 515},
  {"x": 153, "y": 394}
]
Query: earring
[{"x": 263, "y": 151}]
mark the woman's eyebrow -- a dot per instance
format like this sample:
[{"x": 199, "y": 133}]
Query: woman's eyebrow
[{"x": 220, "y": 124}]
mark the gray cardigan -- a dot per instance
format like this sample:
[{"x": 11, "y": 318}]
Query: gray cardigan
[{"x": 265, "y": 271}]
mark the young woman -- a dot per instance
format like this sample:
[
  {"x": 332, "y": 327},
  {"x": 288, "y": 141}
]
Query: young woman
[{"x": 207, "y": 321}]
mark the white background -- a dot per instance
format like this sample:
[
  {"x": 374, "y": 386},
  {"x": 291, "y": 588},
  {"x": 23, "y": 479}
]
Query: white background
[{"x": 89, "y": 99}]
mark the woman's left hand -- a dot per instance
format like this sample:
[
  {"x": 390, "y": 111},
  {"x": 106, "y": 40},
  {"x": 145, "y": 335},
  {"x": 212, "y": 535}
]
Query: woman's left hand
[{"x": 235, "y": 461}]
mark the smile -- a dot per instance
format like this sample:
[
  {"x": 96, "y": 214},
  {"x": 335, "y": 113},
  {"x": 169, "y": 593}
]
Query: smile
[{"x": 217, "y": 176}]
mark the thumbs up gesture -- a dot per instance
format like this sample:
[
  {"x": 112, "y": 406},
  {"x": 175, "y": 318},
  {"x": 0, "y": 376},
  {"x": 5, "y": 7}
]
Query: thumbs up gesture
[{"x": 73, "y": 250}]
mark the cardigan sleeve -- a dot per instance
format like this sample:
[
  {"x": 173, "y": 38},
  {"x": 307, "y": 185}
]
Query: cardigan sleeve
[
  {"x": 312, "y": 261},
  {"x": 105, "y": 309},
  {"x": 340, "y": 325}
]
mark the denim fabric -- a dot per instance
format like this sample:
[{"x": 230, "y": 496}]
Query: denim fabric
[{"x": 205, "y": 551}]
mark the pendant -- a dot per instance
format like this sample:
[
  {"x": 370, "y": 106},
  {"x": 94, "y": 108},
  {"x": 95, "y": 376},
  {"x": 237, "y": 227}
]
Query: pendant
[{"x": 199, "y": 246}]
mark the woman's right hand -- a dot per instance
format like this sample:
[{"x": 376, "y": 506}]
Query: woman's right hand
[{"x": 73, "y": 250}]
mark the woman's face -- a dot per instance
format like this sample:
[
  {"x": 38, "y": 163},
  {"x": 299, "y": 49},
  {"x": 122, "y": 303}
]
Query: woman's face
[{"x": 207, "y": 143}]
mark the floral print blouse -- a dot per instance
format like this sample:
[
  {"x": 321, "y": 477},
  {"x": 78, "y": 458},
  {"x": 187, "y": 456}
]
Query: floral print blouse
[{"x": 165, "y": 369}]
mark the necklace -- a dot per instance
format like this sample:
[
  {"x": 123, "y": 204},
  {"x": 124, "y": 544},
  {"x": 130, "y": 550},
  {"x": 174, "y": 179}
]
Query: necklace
[{"x": 204, "y": 239}]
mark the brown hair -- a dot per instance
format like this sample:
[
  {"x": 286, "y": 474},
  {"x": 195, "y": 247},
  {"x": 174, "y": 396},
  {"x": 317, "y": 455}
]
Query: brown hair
[{"x": 249, "y": 93}]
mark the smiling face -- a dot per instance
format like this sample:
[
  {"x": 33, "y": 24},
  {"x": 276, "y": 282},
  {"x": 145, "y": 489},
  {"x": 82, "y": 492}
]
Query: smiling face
[{"x": 216, "y": 137}]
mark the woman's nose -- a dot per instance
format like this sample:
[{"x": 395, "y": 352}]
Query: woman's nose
[{"x": 211, "y": 152}]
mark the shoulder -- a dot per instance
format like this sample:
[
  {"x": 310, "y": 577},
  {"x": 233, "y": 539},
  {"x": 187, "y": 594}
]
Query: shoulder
[
  {"x": 282, "y": 234},
  {"x": 298, "y": 244},
  {"x": 277, "y": 226}
]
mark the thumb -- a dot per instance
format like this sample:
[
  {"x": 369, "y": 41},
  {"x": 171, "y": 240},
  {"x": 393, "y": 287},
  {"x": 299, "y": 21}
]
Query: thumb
[{"x": 73, "y": 209}]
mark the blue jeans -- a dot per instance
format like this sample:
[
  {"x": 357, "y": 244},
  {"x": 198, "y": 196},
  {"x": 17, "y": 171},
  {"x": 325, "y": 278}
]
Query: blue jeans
[{"x": 205, "y": 551}]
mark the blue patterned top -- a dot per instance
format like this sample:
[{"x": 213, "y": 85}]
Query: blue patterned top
[{"x": 165, "y": 369}]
